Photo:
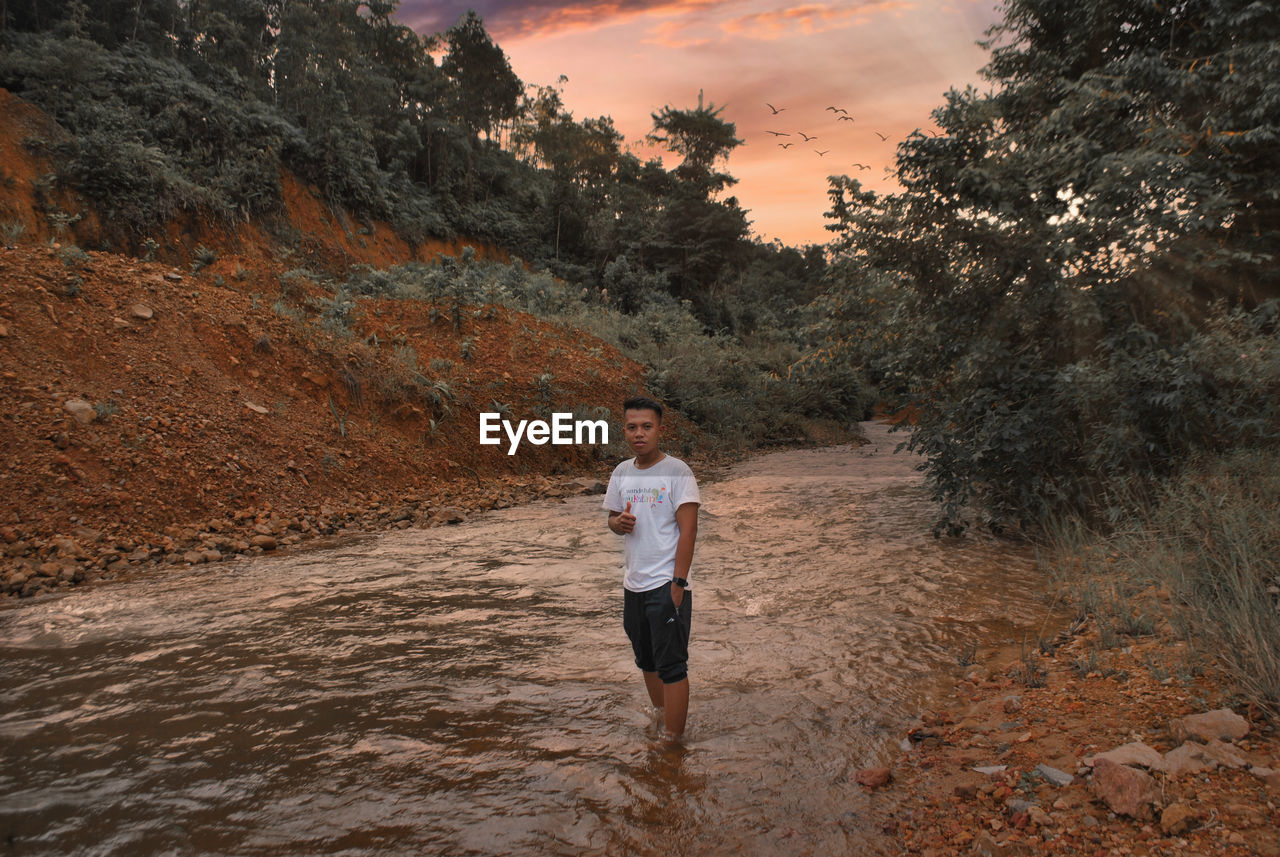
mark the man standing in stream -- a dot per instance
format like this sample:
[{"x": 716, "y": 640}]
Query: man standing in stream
[{"x": 653, "y": 503}]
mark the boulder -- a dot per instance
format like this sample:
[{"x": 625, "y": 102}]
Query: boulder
[
  {"x": 141, "y": 311},
  {"x": 1223, "y": 724},
  {"x": 1127, "y": 791}
]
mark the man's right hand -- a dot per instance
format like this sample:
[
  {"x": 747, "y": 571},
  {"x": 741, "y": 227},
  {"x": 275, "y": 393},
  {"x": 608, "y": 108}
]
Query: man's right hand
[{"x": 623, "y": 522}]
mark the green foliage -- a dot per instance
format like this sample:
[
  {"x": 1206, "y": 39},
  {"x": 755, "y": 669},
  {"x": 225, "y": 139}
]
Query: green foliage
[{"x": 1059, "y": 287}]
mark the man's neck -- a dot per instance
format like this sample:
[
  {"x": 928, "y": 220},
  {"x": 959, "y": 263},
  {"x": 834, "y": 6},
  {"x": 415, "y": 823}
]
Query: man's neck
[{"x": 647, "y": 461}]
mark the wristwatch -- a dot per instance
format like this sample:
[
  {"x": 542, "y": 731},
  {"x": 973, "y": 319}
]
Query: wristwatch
[{"x": 680, "y": 582}]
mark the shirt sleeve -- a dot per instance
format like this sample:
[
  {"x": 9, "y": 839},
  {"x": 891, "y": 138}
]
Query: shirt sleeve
[
  {"x": 613, "y": 496},
  {"x": 685, "y": 490}
]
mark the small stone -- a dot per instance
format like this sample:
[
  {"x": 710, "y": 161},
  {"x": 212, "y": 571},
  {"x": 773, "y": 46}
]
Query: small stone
[
  {"x": 49, "y": 569},
  {"x": 81, "y": 410},
  {"x": 1176, "y": 818},
  {"x": 267, "y": 543},
  {"x": 212, "y": 555},
  {"x": 1013, "y": 806},
  {"x": 1223, "y": 724},
  {"x": 193, "y": 557},
  {"x": 991, "y": 770},
  {"x": 173, "y": 277},
  {"x": 1012, "y": 703},
  {"x": 257, "y": 409},
  {"x": 69, "y": 548},
  {"x": 68, "y": 573},
  {"x": 1039, "y": 817},
  {"x": 9, "y": 534},
  {"x": 1128, "y": 791},
  {"x": 873, "y": 778},
  {"x": 4, "y": 331},
  {"x": 141, "y": 311},
  {"x": 1053, "y": 775}
]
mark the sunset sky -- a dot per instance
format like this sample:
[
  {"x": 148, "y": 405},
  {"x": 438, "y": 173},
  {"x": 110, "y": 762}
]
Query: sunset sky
[{"x": 887, "y": 62}]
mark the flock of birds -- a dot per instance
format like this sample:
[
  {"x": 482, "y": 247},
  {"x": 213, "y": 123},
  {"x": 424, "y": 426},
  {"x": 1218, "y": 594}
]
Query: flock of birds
[{"x": 841, "y": 115}]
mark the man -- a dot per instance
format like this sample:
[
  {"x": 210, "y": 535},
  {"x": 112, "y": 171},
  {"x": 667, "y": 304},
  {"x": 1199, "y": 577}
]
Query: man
[{"x": 653, "y": 503}]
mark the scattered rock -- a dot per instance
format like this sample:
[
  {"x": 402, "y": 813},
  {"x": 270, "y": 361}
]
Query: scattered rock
[
  {"x": 9, "y": 534},
  {"x": 1127, "y": 791},
  {"x": 212, "y": 555},
  {"x": 173, "y": 277},
  {"x": 1039, "y": 817},
  {"x": 1187, "y": 758},
  {"x": 873, "y": 778},
  {"x": 141, "y": 311},
  {"x": 1226, "y": 755},
  {"x": 449, "y": 515},
  {"x": 991, "y": 770},
  {"x": 193, "y": 557},
  {"x": 587, "y": 485},
  {"x": 1134, "y": 753},
  {"x": 81, "y": 410},
  {"x": 1270, "y": 776},
  {"x": 267, "y": 543},
  {"x": 1223, "y": 724},
  {"x": 1012, "y": 703},
  {"x": 1053, "y": 775},
  {"x": 257, "y": 409},
  {"x": 1176, "y": 818}
]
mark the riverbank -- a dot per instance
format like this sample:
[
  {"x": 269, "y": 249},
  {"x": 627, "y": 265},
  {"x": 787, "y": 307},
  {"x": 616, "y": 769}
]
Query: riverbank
[{"x": 1007, "y": 764}]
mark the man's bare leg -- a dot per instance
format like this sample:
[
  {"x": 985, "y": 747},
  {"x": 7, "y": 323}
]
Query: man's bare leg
[
  {"x": 653, "y": 684},
  {"x": 676, "y": 708}
]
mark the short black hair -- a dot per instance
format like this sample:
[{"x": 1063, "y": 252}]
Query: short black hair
[{"x": 642, "y": 403}]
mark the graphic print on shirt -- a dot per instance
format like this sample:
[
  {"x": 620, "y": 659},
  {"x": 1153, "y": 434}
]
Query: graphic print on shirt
[{"x": 645, "y": 496}]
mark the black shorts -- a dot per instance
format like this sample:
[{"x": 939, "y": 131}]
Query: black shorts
[{"x": 659, "y": 633}]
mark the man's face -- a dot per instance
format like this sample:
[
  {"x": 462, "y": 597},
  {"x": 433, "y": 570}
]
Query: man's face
[{"x": 641, "y": 428}]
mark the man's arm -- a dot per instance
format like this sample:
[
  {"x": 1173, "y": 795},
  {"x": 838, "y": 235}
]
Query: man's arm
[{"x": 687, "y": 522}]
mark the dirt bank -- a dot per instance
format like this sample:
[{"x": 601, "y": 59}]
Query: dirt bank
[
  {"x": 151, "y": 414},
  {"x": 1006, "y": 765}
]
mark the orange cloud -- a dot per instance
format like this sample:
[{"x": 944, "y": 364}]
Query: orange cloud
[
  {"x": 674, "y": 35},
  {"x": 576, "y": 17},
  {"x": 808, "y": 19}
]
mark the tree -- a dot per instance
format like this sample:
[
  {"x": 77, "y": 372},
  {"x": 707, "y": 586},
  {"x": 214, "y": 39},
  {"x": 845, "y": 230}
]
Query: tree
[
  {"x": 1048, "y": 266},
  {"x": 487, "y": 92}
]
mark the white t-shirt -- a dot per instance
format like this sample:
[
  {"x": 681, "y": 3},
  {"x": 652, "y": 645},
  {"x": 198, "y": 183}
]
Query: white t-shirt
[{"x": 654, "y": 493}]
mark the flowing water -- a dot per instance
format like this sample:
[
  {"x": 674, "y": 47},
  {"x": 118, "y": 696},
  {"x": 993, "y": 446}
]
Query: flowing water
[{"x": 469, "y": 690}]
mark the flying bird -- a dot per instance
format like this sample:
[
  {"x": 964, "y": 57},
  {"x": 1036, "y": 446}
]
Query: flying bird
[
  {"x": 881, "y": 136},
  {"x": 860, "y": 166},
  {"x": 838, "y": 110},
  {"x": 776, "y": 110},
  {"x": 820, "y": 154},
  {"x": 845, "y": 118},
  {"x": 777, "y": 133},
  {"x": 807, "y": 138},
  {"x": 786, "y": 145}
]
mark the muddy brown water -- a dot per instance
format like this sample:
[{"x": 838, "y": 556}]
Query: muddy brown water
[{"x": 469, "y": 691}]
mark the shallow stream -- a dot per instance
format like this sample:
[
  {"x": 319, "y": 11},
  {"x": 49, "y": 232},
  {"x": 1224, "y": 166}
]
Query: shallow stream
[{"x": 469, "y": 691}]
